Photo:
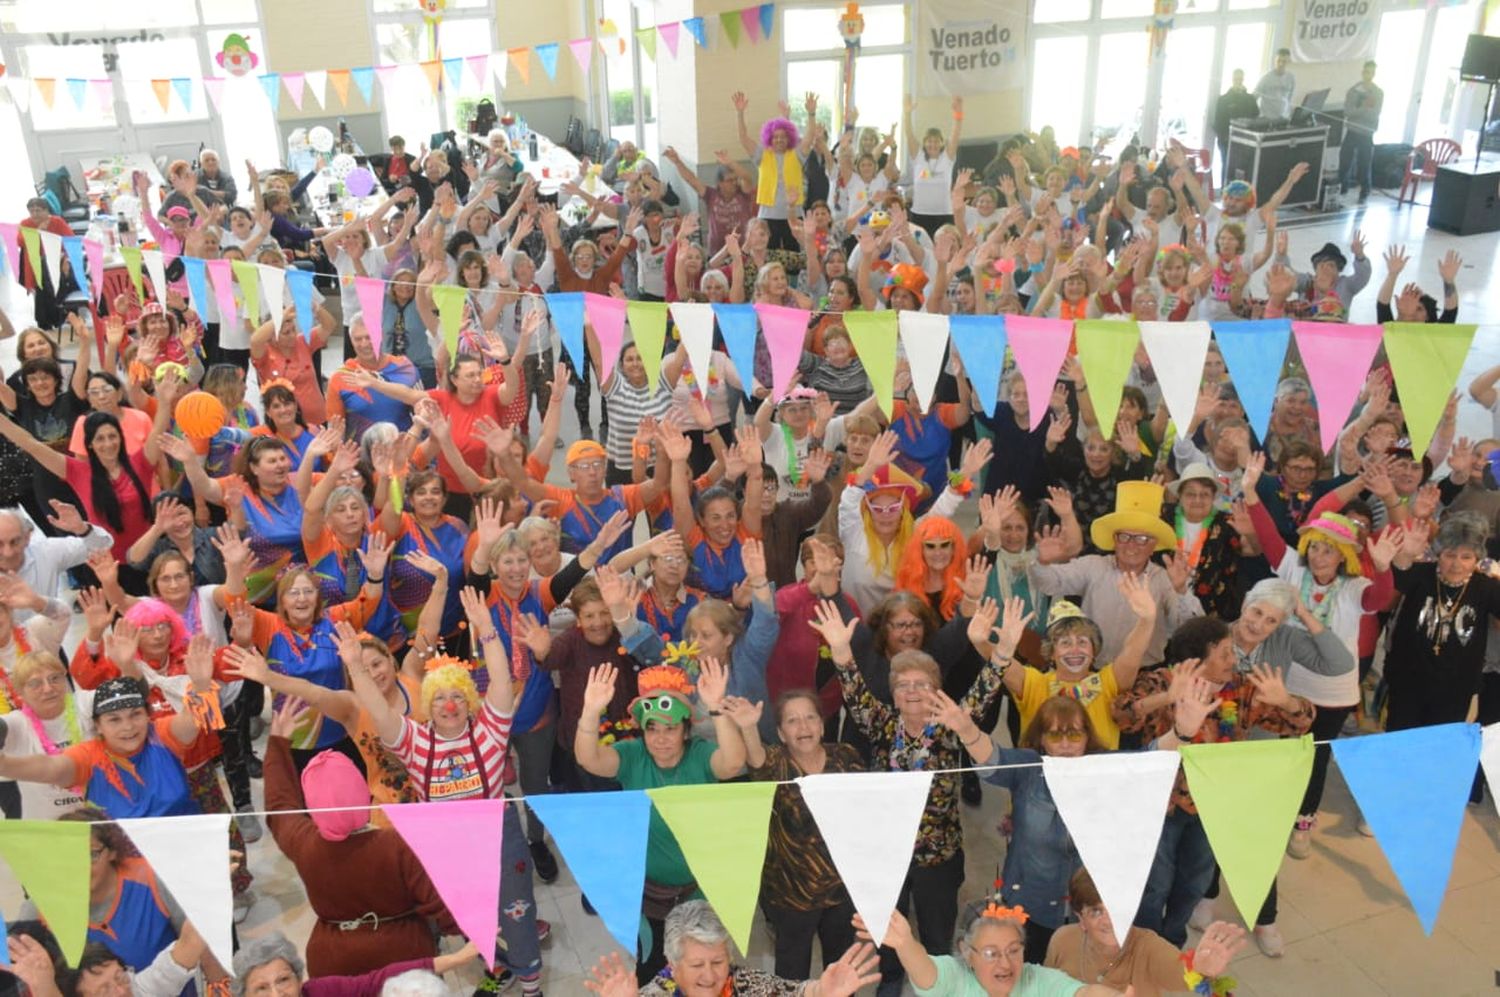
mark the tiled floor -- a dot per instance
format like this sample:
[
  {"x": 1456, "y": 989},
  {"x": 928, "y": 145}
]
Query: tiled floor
[{"x": 1346, "y": 922}]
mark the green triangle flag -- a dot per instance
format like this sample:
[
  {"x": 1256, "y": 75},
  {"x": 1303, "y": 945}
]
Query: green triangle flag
[
  {"x": 247, "y": 275},
  {"x": 51, "y": 859},
  {"x": 132, "y": 257},
  {"x": 874, "y": 336},
  {"x": 1425, "y": 360},
  {"x": 449, "y": 299},
  {"x": 722, "y": 830},
  {"x": 646, "y": 39},
  {"x": 730, "y": 22},
  {"x": 1247, "y": 794},
  {"x": 1106, "y": 350},
  {"x": 648, "y": 324},
  {"x": 33, "y": 240}
]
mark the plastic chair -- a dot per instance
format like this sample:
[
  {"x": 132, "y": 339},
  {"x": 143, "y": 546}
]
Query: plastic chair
[
  {"x": 1422, "y": 163},
  {"x": 1201, "y": 161}
]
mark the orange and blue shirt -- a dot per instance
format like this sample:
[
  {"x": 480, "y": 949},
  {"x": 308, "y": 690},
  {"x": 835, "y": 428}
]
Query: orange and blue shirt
[{"x": 150, "y": 783}]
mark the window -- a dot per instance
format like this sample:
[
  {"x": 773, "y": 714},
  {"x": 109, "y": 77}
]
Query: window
[
  {"x": 1119, "y": 92},
  {"x": 44, "y": 16},
  {"x": 1440, "y": 82},
  {"x": 1245, "y": 50},
  {"x": 60, "y": 62},
  {"x": 630, "y": 72},
  {"x": 228, "y": 11},
  {"x": 411, "y": 108},
  {"x": 1397, "y": 55},
  {"x": 1057, "y": 11},
  {"x": 1185, "y": 85},
  {"x": 1057, "y": 86},
  {"x": 814, "y": 54},
  {"x": 1126, "y": 8},
  {"x": 141, "y": 62}
]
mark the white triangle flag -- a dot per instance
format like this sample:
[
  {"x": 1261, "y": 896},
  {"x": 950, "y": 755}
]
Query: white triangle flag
[
  {"x": 1489, "y": 757},
  {"x": 272, "y": 291},
  {"x": 157, "y": 271},
  {"x": 190, "y": 856},
  {"x": 52, "y": 255},
  {"x": 316, "y": 80},
  {"x": 925, "y": 339},
  {"x": 1114, "y": 806},
  {"x": 695, "y": 324},
  {"x": 869, "y": 821},
  {"x": 1177, "y": 351},
  {"x": 20, "y": 92}
]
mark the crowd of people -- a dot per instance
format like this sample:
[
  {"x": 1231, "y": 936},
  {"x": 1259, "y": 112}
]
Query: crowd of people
[{"x": 449, "y": 596}]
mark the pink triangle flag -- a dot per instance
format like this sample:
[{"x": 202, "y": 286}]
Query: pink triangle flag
[
  {"x": 221, "y": 272},
  {"x": 750, "y": 18},
  {"x": 93, "y": 250},
  {"x": 386, "y": 75},
  {"x": 607, "y": 316},
  {"x": 1039, "y": 344},
  {"x": 1337, "y": 358},
  {"x": 104, "y": 93},
  {"x": 371, "y": 294},
  {"x": 458, "y": 843},
  {"x": 785, "y": 330},
  {"x": 669, "y": 33},
  {"x": 10, "y": 259},
  {"x": 215, "y": 87},
  {"x": 294, "y": 83},
  {"x": 583, "y": 51},
  {"x": 479, "y": 68}
]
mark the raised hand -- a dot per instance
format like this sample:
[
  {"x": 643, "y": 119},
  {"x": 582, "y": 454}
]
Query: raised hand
[
  {"x": 376, "y": 555},
  {"x": 611, "y": 978},
  {"x": 536, "y": 636},
  {"x": 975, "y": 457},
  {"x": 247, "y": 663},
  {"x": 1270, "y": 687},
  {"x": 836, "y": 632},
  {"x": 713, "y": 679},
  {"x": 1254, "y": 468},
  {"x": 1195, "y": 700},
  {"x": 976, "y": 576},
  {"x": 1217, "y": 948},
  {"x": 1137, "y": 595},
  {"x": 981, "y": 630},
  {"x": 199, "y": 661},
  {"x": 1060, "y": 500},
  {"x": 96, "y": 611},
  {"x": 1012, "y": 625},
  {"x": 1384, "y": 548},
  {"x": 881, "y": 451},
  {"x": 744, "y": 713},
  {"x": 857, "y": 968},
  {"x": 287, "y": 716},
  {"x": 1179, "y": 570},
  {"x": 122, "y": 644},
  {"x": 66, "y": 518}
]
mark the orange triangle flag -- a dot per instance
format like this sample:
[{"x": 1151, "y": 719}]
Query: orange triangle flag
[
  {"x": 434, "y": 70},
  {"x": 163, "y": 90},
  {"x": 521, "y": 59},
  {"x": 339, "y": 78},
  {"x": 47, "y": 87}
]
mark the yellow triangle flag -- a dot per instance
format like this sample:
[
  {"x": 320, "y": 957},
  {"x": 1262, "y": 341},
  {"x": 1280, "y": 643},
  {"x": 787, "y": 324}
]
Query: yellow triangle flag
[
  {"x": 449, "y": 299},
  {"x": 50, "y": 858},
  {"x": 33, "y": 241},
  {"x": 1106, "y": 349},
  {"x": 339, "y": 80},
  {"x": 47, "y": 87},
  {"x": 521, "y": 59},
  {"x": 874, "y": 335},
  {"x": 434, "y": 70}
]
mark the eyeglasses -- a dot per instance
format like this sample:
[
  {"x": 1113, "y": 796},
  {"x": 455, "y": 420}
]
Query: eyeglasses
[
  {"x": 39, "y": 682},
  {"x": 915, "y": 685},
  {"x": 905, "y": 624},
  {"x": 163, "y": 627},
  {"x": 1072, "y": 735},
  {"x": 589, "y": 465},
  {"x": 937, "y": 544},
  {"x": 673, "y": 559},
  {"x": 1300, "y": 468},
  {"x": 97, "y": 852},
  {"x": 101, "y": 390},
  {"x": 990, "y": 953},
  {"x": 1135, "y": 539},
  {"x": 887, "y": 509}
]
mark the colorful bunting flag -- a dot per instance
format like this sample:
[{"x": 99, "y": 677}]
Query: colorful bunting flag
[
  {"x": 449, "y": 299},
  {"x": 669, "y": 34},
  {"x": 458, "y": 843},
  {"x": 4, "y": 942},
  {"x": 93, "y": 249},
  {"x": 132, "y": 257},
  {"x": 73, "y": 249},
  {"x": 221, "y": 275},
  {"x": 454, "y": 69},
  {"x": 47, "y": 88},
  {"x": 980, "y": 341},
  {"x": 370, "y": 292},
  {"x": 869, "y": 821},
  {"x": 1489, "y": 757},
  {"x": 521, "y": 59},
  {"x": 194, "y": 269},
  {"x": 31, "y": 239},
  {"x": 924, "y": 339},
  {"x": 387, "y": 76},
  {"x": 547, "y": 56},
  {"x": 1337, "y": 358},
  {"x": 750, "y": 22},
  {"x": 646, "y": 39},
  {"x": 300, "y": 282},
  {"x": 610, "y": 868},
  {"x": 729, "y": 23},
  {"x": 1425, "y": 360},
  {"x": 696, "y": 28},
  {"x": 1039, "y": 346},
  {"x": 78, "y": 90},
  {"x": 9, "y": 259},
  {"x": 271, "y": 84},
  {"x": 1106, "y": 350},
  {"x": 1247, "y": 793},
  {"x": 163, "y": 91},
  {"x": 214, "y": 85},
  {"x": 874, "y": 337},
  {"x": 184, "y": 88},
  {"x": 695, "y": 326},
  {"x": 295, "y": 83},
  {"x": 583, "y": 51},
  {"x": 722, "y": 830},
  {"x": 156, "y": 269},
  {"x": 247, "y": 275},
  {"x": 52, "y": 255},
  {"x": 1112, "y": 805},
  {"x": 567, "y": 316},
  {"x": 272, "y": 290},
  {"x": 737, "y": 324},
  {"x": 20, "y": 92},
  {"x": 785, "y": 330},
  {"x": 187, "y": 855},
  {"x": 1254, "y": 352},
  {"x": 1177, "y": 351},
  {"x": 767, "y": 20},
  {"x": 433, "y": 70},
  {"x": 317, "y": 85},
  {"x": 1411, "y": 787},
  {"x": 648, "y": 326},
  {"x": 104, "y": 93},
  {"x": 479, "y": 68},
  {"x": 50, "y": 859},
  {"x": 339, "y": 79},
  {"x": 607, "y": 316}
]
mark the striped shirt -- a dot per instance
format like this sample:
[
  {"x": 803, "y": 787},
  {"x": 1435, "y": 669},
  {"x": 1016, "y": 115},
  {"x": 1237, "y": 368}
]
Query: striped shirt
[
  {"x": 473, "y": 764},
  {"x": 627, "y": 406}
]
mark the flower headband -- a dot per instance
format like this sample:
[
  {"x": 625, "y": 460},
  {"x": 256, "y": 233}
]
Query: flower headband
[
  {"x": 996, "y": 912},
  {"x": 444, "y": 660},
  {"x": 683, "y": 655}
]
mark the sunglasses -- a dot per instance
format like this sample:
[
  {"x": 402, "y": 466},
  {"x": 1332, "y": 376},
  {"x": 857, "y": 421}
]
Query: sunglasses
[
  {"x": 589, "y": 465},
  {"x": 887, "y": 509},
  {"x": 937, "y": 544},
  {"x": 1072, "y": 735}
]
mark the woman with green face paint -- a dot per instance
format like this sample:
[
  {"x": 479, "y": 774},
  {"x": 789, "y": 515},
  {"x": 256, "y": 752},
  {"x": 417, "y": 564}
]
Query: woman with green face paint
[{"x": 666, "y": 754}]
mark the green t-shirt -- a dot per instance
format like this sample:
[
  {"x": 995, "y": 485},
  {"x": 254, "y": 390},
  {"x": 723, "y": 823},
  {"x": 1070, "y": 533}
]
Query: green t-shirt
[
  {"x": 955, "y": 980},
  {"x": 664, "y": 861}
]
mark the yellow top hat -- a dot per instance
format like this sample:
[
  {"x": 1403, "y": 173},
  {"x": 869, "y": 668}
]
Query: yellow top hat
[{"x": 1137, "y": 510}]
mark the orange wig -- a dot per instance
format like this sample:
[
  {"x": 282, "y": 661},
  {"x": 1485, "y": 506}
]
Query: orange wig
[{"x": 911, "y": 571}]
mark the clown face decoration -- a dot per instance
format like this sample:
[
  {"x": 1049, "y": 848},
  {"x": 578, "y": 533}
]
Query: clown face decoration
[{"x": 235, "y": 58}]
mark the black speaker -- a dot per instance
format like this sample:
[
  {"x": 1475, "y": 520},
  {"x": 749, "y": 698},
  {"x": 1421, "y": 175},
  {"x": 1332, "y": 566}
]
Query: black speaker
[
  {"x": 1481, "y": 59},
  {"x": 1465, "y": 199}
]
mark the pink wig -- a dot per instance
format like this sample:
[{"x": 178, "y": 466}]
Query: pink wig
[
  {"x": 149, "y": 612},
  {"x": 770, "y": 128}
]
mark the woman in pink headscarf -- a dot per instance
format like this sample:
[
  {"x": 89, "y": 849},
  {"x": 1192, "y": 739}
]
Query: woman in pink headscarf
[{"x": 373, "y": 901}]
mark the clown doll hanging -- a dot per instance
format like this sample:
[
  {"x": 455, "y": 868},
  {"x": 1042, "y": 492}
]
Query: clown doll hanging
[
  {"x": 851, "y": 27},
  {"x": 432, "y": 16}
]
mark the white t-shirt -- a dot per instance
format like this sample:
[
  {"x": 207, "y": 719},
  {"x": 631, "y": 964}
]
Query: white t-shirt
[
  {"x": 1251, "y": 221},
  {"x": 651, "y": 262},
  {"x": 931, "y": 184},
  {"x": 373, "y": 262},
  {"x": 43, "y": 801},
  {"x": 854, "y": 197},
  {"x": 774, "y": 451}
]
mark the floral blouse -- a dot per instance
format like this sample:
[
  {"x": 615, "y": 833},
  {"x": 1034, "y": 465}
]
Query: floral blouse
[
  {"x": 940, "y": 836},
  {"x": 1238, "y": 711},
  {"x": 742, "y": 982}
]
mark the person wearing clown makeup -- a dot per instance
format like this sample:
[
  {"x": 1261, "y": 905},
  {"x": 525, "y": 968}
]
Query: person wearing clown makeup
[{"x": 667, "y": 754}]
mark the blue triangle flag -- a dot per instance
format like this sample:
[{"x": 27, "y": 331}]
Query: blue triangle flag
[
  {"x": 197, "y": 280},
  {"x": 364, "y": 78},
  {"x": 547, "y": 56},
  {"x": 739, "y": 323},
  {"x": 610, "y": 868},
  {"x": 980, "y": 341},
  {"x": 1254, "y": 352},
  {"x": 73, "y": 249},
  {"x": 1411, "y": 786},
  {"x": 271, "y": 84},
  {"x": 78, "y": 90},
  {"x": 455, "y": 70},
  {"x": 4, "y": 942},
  {"x": 300, "y": 283},
  {"x": 567, "y": 315},
  {"x": 184, "y": 88},
  {"x": 694, "y": 26},
  {"x": 767, "y": 19}
]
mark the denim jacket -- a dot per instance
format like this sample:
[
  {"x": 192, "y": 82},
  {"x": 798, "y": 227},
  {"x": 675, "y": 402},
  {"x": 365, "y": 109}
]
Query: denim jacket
[{"x": 1041, "y": 858}]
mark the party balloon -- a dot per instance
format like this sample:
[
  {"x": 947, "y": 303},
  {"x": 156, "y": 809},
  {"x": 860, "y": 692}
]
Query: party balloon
[
  {"x": 360, "y": 182},
  {"x": 343, "y": 164},
  {"x": 200, "y": 415},
  {"x": 320, "y": 138}
]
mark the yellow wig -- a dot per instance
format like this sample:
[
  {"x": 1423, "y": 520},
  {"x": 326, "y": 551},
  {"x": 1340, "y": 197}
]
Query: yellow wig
[{"x": 446, "y": 677}]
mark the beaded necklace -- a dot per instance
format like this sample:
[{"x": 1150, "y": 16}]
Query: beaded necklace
[{"x": 70, "y": 715}]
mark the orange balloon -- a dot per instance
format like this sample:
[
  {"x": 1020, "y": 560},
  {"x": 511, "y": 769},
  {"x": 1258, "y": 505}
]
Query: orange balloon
[{"x": 200, "y": 415}]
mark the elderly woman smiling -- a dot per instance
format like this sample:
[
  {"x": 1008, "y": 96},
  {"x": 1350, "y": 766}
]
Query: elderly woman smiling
[
  {"x": 269, "y": 966},
  {"x": 699, "y": 965}
]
